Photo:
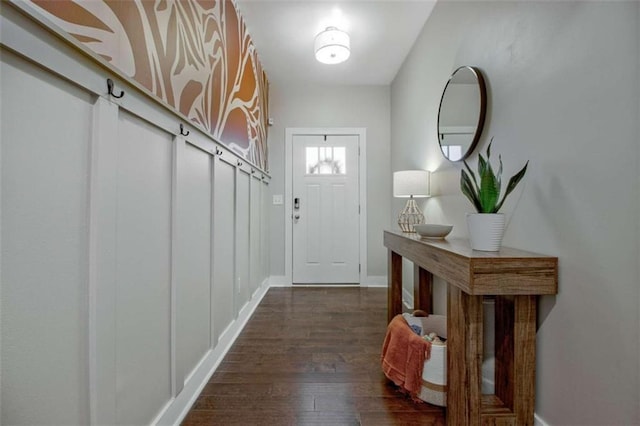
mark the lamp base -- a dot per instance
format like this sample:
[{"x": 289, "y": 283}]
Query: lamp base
[{"x": 410, "y": 215}]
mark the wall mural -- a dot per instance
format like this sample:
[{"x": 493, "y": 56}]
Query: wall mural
[{"x": 195, "y": 55}]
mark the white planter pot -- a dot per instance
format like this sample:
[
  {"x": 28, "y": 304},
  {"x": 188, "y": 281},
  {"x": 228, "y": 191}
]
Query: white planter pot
[{"x": 485, "y": 230}]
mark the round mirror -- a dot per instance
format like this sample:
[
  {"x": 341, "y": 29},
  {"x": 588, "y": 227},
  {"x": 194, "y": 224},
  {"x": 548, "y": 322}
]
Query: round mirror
[{"x": 461, "y": 114}]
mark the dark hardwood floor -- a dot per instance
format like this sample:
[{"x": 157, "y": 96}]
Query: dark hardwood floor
[{"x": 310, "y": 356}]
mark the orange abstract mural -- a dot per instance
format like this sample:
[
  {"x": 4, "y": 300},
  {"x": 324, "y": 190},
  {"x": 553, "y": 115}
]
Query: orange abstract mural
[{"x": 195, "y": 55}]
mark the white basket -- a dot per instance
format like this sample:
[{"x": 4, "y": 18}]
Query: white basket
[{"x": 434, "y": 372}]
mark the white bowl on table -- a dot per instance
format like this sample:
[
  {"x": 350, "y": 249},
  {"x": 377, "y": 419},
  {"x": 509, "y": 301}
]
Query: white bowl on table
[{"x": 432, "y": 230}]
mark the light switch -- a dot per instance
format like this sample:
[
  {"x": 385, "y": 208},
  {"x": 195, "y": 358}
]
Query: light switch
[{"x": 277, "y": 200}]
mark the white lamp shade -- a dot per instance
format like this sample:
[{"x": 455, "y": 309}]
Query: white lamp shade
[
  {"x": 407, "y": 183},
  {"x": 332, "y": 46}
]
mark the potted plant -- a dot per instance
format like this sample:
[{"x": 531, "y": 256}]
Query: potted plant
[{"x": 486, "y": 227}]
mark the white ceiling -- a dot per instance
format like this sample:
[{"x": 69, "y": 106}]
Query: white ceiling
[{"x": 382, "y": 33}]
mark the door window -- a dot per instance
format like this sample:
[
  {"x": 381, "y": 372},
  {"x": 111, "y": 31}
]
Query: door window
[{"x": 326, "y": 160}]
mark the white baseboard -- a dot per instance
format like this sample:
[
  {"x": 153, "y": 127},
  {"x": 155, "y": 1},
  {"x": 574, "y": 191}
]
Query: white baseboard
[
  {"x": 177, "y": 409},
  {"x": 407, "y": 298},
  {"x": 374, "y": 281},
  {"x": 369, "y": 281},
  {"x": 279, "y": 281},
  {"x": 537, "y": 421}
]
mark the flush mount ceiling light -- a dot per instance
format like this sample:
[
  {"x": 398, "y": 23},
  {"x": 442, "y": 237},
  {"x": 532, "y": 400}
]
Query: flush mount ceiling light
[{"x": 332, "y": 46}]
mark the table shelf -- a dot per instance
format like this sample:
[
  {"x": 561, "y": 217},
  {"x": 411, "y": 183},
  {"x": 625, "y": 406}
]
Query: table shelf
[{"x": 516, "y": 278}]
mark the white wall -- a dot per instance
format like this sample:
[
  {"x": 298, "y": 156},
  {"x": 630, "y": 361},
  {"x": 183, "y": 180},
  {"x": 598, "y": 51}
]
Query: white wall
[
  {"x": 563, "y": 82},
  {"x": 114, "y": 290},
  {"x": 638, "y": 188},
  {"x": 334, "y": 106}
]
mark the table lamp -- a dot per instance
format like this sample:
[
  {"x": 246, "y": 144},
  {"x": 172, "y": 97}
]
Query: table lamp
[{"x": 410, "y": 184}]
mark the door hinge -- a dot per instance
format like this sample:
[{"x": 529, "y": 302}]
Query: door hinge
[
  {"x": 359, "y": 267},
  {"x": 358, "y": 208}
]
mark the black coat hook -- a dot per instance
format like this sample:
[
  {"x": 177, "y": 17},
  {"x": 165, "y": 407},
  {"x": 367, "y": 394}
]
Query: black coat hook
[
  {"x": 218, "y": 151},
  {"x": 183, "y": 132},
  {"x": 110, "y": 86}
]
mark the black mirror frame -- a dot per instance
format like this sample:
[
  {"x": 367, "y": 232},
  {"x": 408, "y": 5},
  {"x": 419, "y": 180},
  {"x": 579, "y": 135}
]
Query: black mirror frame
[{"x": 481, "y": 116}]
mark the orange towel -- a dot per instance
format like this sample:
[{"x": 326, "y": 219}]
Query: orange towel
[{"x": 403, "y": 356}]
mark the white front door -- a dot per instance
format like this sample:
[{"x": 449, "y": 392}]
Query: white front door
[{"x": 325, "y": 209}]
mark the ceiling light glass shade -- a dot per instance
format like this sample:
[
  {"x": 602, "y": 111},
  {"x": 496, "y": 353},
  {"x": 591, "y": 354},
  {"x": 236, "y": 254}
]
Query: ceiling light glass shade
[{"x": 332, "y": 46}]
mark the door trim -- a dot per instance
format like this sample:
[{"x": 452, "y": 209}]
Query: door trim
[{"x": 290, "y": 132}]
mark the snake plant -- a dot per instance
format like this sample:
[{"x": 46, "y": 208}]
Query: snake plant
[{"x": 485, "y": 195}]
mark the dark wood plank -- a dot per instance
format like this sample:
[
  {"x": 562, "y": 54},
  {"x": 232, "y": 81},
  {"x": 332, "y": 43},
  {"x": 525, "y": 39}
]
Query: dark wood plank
[
  {"x": 452, "y": 267},
  {"x": 515, "y": 355},
  {"x": 504, "y": 350},
  {"x": 464, "y": 357},
  {"x": 398, "y": 419},
  {"x": 494, "y": 412},
  {"x": 515, "y": 275},
  {"x": 508, "y": 271},
  {"x": 422, "y": 289},
  {"x": 524, "y": 374},
  {"x": 394, "y": 286},
  {"x": 310, "y": 356}
]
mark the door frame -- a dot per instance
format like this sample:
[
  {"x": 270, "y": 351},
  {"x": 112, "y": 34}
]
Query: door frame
[{"x": 290, "y": 132}]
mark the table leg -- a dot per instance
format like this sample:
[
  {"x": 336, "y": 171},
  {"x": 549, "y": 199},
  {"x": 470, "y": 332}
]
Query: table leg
[
  {"x": 394, "y": 285},
  {"x": 422, "y": 289},
  {"x": 464, "y": 357},
  {"x": 516, "y": 355}
]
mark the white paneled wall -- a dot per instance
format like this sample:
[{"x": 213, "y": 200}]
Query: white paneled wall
[
  {"x": 265, "y": 232},
  {"x": 44, "y": 242},
  {"x": 255, "y": 228},
  {"x": 224, "y": 246},
  {"x": 143, "y": 270},
  {"x": 193, "y": 258},
  {"x": 242, "y": 238},
  {"x": 131, "y": 256}
]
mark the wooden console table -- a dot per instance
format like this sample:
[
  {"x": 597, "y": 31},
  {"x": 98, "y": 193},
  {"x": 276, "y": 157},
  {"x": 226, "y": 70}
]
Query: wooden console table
[{"x": 515, "y": 278}]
